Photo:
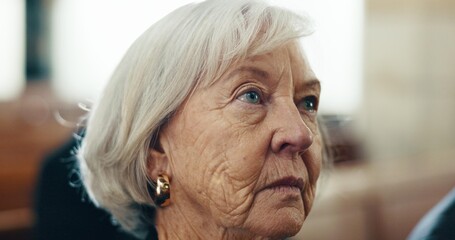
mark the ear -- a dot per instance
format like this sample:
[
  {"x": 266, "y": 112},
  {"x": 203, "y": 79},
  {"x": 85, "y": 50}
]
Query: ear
[{"x": 158, "y": 163}]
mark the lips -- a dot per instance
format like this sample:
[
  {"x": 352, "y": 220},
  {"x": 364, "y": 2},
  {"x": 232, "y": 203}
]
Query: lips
[{"x": 290, "y": 181}]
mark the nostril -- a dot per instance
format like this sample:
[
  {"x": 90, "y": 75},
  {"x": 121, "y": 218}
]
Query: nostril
[
  {"x": 295, "y": 148},
  {"x": 284, "y": 146}
]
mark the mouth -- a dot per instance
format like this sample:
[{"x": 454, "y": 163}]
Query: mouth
[{"x": 289, "y": 182}]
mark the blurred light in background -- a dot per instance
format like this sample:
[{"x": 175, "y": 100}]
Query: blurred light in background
[
  {"x": 409, "y": 89},
  {"x": 90, "y": 37},
  {"x": 12, "y": 48}
]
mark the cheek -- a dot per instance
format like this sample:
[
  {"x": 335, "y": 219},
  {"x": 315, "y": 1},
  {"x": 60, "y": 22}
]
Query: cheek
[
  {"x": 313, "y": 162},
  {"x": 237, "y": 165},
  {"x": 218, "y": 163}
]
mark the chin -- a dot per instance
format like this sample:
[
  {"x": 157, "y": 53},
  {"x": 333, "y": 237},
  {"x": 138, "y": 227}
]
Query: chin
[{"x": 279, "y": 224}]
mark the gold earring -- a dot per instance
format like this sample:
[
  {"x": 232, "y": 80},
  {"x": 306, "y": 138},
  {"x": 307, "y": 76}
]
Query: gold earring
[{"x": 163, "y": 191}]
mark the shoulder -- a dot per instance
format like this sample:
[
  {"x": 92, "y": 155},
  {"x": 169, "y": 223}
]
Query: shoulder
[{"x": 438, "y": 224}]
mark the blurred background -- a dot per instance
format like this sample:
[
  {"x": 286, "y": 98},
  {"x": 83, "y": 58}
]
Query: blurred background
[{"x": 388, "y": 79}]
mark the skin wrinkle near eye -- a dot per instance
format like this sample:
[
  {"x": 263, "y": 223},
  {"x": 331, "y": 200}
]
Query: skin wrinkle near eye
[
  {"x": 312, "y": 124},
  {"x": 236, "y": 115},
  {"x": 205, "y": 130},
  {"x": 224, "y": 97}
]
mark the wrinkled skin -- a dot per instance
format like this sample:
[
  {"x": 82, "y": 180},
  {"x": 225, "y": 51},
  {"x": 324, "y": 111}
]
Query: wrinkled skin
[{"x": 231, "y": 140}]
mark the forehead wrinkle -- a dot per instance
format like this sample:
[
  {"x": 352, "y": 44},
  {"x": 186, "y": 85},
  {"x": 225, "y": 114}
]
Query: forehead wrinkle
[
  {"x": 288, "y": 66},
  {"x": 282, "y": 75},
  {"x": 303, "y": 77},
  {"x": 254, "y": 70}
]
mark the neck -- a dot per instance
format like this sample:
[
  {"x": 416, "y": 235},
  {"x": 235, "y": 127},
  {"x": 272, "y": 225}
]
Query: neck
[{"x": 173, "y": 222}]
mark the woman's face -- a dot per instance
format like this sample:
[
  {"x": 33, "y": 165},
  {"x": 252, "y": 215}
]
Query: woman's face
[{"x": 244, "y": 154}]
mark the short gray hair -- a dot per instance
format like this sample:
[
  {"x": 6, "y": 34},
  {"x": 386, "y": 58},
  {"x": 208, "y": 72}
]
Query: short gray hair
[{"x": 194, "y": 45}]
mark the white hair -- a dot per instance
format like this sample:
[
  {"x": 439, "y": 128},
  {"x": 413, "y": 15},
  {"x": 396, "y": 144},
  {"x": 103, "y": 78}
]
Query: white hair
[{"x": 194, "y": 45}]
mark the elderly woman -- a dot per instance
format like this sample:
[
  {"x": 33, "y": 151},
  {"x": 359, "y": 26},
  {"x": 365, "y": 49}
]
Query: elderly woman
[{"x": 208, "y": 128}]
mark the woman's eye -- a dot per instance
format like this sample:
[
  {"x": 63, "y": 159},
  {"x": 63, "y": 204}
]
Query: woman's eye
[
  {"x": 252, "y": 97},
  {"x": 310, "y": 104}
]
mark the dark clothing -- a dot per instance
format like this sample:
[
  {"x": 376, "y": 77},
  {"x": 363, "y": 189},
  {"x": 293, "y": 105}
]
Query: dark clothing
[
  {"x": 439, "y": 223},
  {"x": 63, "y": 209}
]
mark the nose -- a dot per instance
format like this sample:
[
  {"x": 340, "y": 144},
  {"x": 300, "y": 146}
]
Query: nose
[{"x": 291, "y": 134}]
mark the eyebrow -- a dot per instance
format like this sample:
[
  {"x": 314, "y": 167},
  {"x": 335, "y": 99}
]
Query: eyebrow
[
  {"x": 256, "y": 71},
  {"x": 313, "y": 83}
]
